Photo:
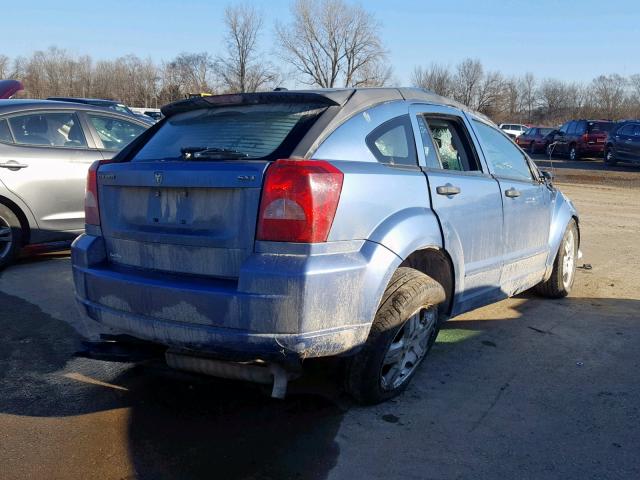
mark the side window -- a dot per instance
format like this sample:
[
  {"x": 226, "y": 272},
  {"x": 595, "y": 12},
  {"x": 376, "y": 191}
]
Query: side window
[
  {"x": 51, "y": 129},
  {"x": 5, "y": 133},
  {"x": 636, "y": 131},
  {"x": 580, "y": 128},
  {"x": 392, "y": 142},
  {"x": 115, "y": 133},
  {"x": 572, "y": 128},
  {"x": 564, "y": 128},
  {"x": 452, "y": 144},
  {"x": 627, "y": 130},
  {"x": 502, "y": 155}
]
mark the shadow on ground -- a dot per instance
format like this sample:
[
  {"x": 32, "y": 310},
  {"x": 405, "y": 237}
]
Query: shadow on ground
[
  {"x": 179, "y": 425},
  {"x": 189, "y": 427}
]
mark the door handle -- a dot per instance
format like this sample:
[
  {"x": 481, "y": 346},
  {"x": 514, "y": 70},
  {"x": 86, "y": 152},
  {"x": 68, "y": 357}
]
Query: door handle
[
  {"x": 511, "y": 193},
  {"x": 448, "y": 189},
  {"x": 13, "y": 165}
]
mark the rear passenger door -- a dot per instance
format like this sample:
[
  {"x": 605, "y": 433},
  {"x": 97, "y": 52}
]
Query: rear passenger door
[
  {"x": 45, "y": 163},
  {"x": 466, "y": 200},
  {"x": 527, "y": 209}
]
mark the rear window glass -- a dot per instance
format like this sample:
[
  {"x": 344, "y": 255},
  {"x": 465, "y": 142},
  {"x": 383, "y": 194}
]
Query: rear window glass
[
  {"x": 5, "y": 133},
  {"x": 599, "y": 127},
  {"x": 248, "y": 131}
]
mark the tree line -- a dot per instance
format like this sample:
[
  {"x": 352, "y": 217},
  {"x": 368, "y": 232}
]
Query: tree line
[
  {"x": 526, "y": 99},
  {"x": 327, "y": 44}
]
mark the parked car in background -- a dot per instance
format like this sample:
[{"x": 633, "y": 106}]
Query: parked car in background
[
  {"x": 514, "y": 130},
  {"x": 268, "y": 228},
  {"x": 101, "y": 102},
  {"x": 8, "y": 88},
  {"x": 153, "y": 113},
  {"x": 623, "y": 143},
  {"x": 46, "y": 149},
  {"x": 536, "y": 139},
  {"x": 581, "y": 138}
]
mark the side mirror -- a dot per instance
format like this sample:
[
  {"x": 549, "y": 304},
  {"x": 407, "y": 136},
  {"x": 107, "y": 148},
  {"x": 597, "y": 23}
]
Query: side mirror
[{"x": 547, "y": 175}]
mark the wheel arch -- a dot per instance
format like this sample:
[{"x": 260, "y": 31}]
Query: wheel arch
[
  {"x": 22, "y": 217},
  {"x": 563, "y": 213},
  {"x": 437, "y": 264}
]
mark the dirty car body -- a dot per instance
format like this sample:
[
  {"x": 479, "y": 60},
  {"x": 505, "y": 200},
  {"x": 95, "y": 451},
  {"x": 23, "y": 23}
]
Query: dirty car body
[{"x": 186, "y": 251}]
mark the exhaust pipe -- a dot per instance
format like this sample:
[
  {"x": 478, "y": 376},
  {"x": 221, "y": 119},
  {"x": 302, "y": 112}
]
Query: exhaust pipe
[{"x": 264, "y": 373}]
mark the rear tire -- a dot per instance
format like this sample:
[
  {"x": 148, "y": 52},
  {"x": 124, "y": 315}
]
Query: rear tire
[
  {"x": 403, "y": 331},
  {"x": 563, "y": 274},
  {"x": 10, "y": 236},
  {"x": 573, "y": 153}
]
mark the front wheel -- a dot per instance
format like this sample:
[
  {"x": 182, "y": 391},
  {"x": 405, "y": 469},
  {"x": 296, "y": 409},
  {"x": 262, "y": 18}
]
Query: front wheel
[
  {"x": 402, "y": 333},
  {"x": 563, "y": 274}
]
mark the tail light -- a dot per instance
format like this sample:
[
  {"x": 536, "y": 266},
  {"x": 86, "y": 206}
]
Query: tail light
[
  {"x": 91, "y": 210},
  {"x": 299, "y": 201}
]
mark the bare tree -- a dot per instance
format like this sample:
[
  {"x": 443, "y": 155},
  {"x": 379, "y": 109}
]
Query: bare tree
[
  {"x": 467, "y": 79},
  {"x": 608, "y": 93},
  {"x": 553, "y": 99},
  {"x": 193, "y": 72},
  {"x": 528, "y": 94},
  {"x": 4, "y": 66},
  {"x": 435, "y": 77},
  {"x": 240, "y": 68},
  {"x": 330, "y": 42},
  {"x": 490, "y": 93}
]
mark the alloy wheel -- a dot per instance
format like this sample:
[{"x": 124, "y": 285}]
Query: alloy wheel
[
  {"x": 569, "y": 261},
  {"x": 408, "y": 348},
  {"x": 572, "y": 154},
  {"x": 6, "y": 237}
]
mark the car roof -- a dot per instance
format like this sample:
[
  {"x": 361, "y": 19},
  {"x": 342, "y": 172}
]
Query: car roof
[
  {"x": 89, "y": 101},
  {"x": 350, "y": 99},
  {"x": 19, "y": 105}
]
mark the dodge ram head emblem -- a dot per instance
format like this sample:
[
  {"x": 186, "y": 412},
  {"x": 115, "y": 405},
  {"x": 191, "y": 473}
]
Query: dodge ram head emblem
[{"x": 158, "y": 177}]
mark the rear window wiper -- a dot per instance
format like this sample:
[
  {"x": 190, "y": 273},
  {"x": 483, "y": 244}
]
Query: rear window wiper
[{"x": 197, "y": 153}]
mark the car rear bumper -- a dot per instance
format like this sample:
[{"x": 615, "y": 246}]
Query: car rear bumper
[
  {"x": 592, "y": 149},
  {"x": 315, "y": 303}
]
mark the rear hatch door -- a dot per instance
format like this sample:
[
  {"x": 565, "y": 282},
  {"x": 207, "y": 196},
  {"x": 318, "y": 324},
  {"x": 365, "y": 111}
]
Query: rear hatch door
[{"x": 187, "y": 202}]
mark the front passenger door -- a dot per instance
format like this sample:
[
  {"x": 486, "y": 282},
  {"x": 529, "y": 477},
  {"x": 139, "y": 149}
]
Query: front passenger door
[
  {"x": 527, "y": 210},
  {"x": 45, "y": 163}
]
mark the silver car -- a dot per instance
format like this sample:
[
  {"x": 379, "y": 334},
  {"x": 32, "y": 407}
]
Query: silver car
[{"x": 46, "y": 149}]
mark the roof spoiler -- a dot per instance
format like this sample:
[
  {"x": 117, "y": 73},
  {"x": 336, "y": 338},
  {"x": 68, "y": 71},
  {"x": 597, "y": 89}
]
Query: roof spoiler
[{"x": 327, "y": 98}]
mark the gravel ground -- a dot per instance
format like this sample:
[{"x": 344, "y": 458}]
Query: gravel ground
[{"x": 526, "y": 388}]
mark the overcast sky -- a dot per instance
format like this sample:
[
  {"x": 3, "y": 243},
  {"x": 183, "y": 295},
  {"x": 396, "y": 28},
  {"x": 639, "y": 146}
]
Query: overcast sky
[{"x": 566, "y": 39}]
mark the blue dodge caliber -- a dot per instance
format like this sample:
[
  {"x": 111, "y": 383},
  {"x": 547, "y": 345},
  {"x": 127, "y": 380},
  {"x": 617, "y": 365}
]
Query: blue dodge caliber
[{"x": 245, "y": 233}]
